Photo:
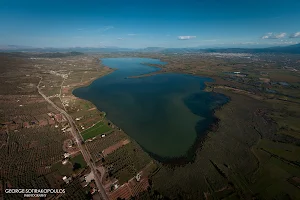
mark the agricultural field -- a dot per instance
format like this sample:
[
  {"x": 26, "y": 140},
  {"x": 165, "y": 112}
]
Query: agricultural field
[
  {"x": 72, "y": 166},
  {"x": 74, "y": 190},
  {"x": 97, "y": 145},
  {"x": 78, "y": 159},
  {"x": 126, "y": 162},
  {"x": 97, "y": 129}
]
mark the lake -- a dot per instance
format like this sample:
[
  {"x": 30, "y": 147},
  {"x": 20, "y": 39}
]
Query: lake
[{"x": 164, "y": 113}]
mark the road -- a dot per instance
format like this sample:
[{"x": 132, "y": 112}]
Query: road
[{"x": 83, "y": 149}]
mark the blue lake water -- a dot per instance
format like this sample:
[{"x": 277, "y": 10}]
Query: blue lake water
[{"x": 164, "y": 113}]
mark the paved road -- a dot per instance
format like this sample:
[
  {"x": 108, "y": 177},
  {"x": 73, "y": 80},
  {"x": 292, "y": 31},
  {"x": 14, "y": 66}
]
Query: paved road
[{"x": 78, "y": 137}]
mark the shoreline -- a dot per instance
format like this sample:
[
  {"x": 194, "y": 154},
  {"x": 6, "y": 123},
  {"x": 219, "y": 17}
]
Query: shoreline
[
  {"x": 89, "y": 83},
  {"x": 159, "y": 71},
  {"x": 92, "y": 80},
  {"x": 191, "y": 153}
]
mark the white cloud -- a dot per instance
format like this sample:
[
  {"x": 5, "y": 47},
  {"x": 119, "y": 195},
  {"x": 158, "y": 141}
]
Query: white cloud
[
  {"x": 247, "y": 43},
  {"x": 105, "y": 28},
  {"x": 285, "y": 42},
  {"x": 120, "y": 39},
  {"x": 186, "y": 37},
  {"x": 209, "y": 40},
  {"x": 108, "y": 27},
  {"x": 131, "y": 34},
  {"x": 295, "y": 35},
  {"x": 273, "y": 36}
]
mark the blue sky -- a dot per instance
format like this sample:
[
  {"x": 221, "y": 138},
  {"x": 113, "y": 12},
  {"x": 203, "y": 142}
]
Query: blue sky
[{"x": 144, "y": 23}]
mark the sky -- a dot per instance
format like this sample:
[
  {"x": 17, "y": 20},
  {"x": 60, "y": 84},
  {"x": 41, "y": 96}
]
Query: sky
[{"x": 149, "y": 23}]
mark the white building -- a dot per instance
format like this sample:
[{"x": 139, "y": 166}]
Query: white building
[
  {"x": 65, "y": 161},
  {"x": 67, "y": 155},
  {"x": 66, "y": 179}
]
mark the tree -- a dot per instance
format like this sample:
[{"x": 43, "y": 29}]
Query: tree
[{"x": 76, "y": 166}]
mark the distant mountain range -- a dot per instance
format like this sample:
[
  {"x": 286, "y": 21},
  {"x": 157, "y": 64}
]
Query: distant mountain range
[
  {"x": 16, "y": 48},
  {"x": 292, "y": 49}
]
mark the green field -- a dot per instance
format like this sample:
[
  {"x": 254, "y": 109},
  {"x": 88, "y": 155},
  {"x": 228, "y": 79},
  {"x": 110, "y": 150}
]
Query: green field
[
  {"x": 80, "y": 160},
  {"x": 63, "y": 170},
  {"x": 67, "y": 170},
  {"x": 97, "y": 129}
]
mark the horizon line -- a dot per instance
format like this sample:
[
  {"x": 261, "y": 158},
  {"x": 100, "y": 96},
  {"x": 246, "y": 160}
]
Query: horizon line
[{"x": 11, "y": 47}]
